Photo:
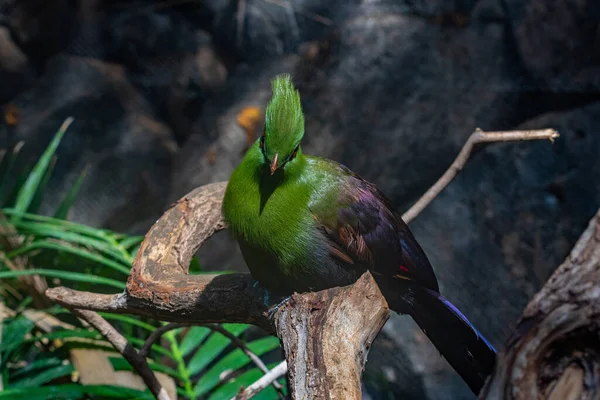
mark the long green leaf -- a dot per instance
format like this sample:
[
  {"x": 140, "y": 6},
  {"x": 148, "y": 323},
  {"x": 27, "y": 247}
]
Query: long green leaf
[
  {"x": 64, "y": 334},
  {"x": 193, "y": 338},
  {"x": 83, "y": 253},
  {"x": 44, "y": 377},
  {"x": 131, "y": 241},
  {"x": 120, "y": 364},
  {"x": 215, "y": 344},
  {"x": 59, "y": 223},
  {"x": 156, "y": 347},
  {"x": 14, "y": 331},
  {"x": 128, "y": 320},
  {"x": 233, "y": 361},
  {"x": 73, "y": 391},
  {"x": 38, "y": 196},
  {"x": 28, "y": 190},
  {"x": 71, "y": 276},
  {"x": 36, "y": 365},
  {"x": 183, "y": 371},
  {"x": 65, "y": 205},
  {"x": 50, "y": 231}
]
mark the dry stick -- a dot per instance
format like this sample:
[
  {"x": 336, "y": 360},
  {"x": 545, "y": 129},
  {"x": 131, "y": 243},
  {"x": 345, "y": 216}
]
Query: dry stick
[
  {"x": 261, "y": 384},
  {"x": 253, "y": 357},
  {"x": 476, "y": 137},
  {"x": 127, "y": 351}
]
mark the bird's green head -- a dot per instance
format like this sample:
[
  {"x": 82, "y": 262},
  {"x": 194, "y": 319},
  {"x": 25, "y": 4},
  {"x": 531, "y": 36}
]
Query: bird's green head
[{"x": 284, "y": 124}]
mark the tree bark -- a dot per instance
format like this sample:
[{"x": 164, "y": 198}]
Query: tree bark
[
  {"x": 554, "y": 352},
  {"x": 326, "y": 337}
]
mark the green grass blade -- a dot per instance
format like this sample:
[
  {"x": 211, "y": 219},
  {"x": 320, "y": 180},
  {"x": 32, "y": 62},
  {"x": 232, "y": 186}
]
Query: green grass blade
[
  {"x": 186, "y": 381},
  {"x": 131, "y": 241},
  {"x": 14, "y": 331},
  {"x": 36, "y": 365},
  {"x": 46, "y": 376},
  {"x": 120, "y": 364},
  {"x": 58, "y": 223},
  {"x": 42, "y": 230},
  {"x": 85, "y": 254},
  {"x": 215, "y": 344},
  {"x": 18, "y": 184},
  {"x": 28, "y": 190},
  {"x": 233, "y": 361},
  {"x": 70, "y": 276},
  {"x": 63, "y": 334},
  {"x": 38, "y": 196},
  {"x": 65, "y": 205}
]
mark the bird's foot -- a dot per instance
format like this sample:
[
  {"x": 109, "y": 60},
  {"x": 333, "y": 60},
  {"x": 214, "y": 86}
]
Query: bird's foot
[{"x": 273, "y": 310}]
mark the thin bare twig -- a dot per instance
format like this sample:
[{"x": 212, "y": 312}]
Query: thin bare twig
[
  {"x": 154, "y": 336},
  {"x": 261, "y": 384},
  {"x": 476, "y": 137},
  {"x": 119, "y": 342},
  {"x": 242, "y": 346}
]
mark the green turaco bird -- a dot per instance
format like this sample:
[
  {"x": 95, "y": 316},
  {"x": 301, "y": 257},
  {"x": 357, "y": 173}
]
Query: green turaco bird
[{"x": 306, "y": 223}]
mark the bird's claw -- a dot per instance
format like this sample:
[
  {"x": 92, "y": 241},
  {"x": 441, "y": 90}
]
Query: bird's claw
[{"x": 273, "y": 310}]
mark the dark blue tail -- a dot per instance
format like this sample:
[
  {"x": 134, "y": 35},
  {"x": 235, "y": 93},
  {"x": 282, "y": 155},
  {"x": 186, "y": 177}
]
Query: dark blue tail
[{"x": 467, "y": 351}]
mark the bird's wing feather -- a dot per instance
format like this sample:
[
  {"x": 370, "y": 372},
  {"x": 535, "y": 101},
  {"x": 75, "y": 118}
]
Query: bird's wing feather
[{"x": 363, "y": 230}]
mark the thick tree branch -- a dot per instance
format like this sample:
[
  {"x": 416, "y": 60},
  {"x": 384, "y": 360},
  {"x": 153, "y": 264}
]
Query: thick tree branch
[
  {"x": 476, "y": 137},
  {"x": 555, "y": 349},
  {"x": 326, "y": 337}
]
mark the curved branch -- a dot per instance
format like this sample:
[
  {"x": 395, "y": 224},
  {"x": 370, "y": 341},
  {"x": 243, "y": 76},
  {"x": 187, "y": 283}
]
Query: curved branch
[
  {"x": 159, "y": 277},
  {"x": 555, "y": 350}
]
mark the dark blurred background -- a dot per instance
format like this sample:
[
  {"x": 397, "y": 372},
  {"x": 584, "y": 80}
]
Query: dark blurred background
[{"x": 391, "y": 89}]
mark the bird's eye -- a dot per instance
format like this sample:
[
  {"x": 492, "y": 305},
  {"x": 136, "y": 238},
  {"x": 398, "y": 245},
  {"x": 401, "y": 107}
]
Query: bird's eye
[{"x": 294, "y": 153}]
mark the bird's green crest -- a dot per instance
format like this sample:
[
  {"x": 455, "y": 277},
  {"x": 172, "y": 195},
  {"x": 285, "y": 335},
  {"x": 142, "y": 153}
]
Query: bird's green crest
[{"x": 284, "y": 122}]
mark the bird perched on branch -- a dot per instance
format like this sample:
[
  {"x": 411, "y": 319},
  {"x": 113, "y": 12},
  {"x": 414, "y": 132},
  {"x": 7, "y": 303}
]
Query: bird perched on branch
[{"x": 306, "y": 223}]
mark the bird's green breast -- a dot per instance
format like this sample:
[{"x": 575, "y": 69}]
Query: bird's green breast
[{"x": 270, "y": 218}]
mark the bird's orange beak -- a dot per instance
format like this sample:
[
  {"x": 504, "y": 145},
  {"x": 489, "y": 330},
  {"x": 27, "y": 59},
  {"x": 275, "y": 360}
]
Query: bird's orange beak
[{"x": 274, "y": 163}]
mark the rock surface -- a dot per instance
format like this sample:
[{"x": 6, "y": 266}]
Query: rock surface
[{"x": 392, "y": 89}]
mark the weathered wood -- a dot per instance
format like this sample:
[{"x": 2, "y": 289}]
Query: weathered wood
[
  {"x": 326, "y": 337},
  {"x": 555, "y": 350}
]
